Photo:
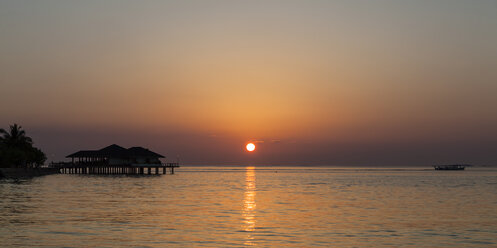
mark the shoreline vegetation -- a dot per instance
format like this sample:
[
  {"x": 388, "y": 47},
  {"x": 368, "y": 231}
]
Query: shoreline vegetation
[{"x": 18, "y": 156}]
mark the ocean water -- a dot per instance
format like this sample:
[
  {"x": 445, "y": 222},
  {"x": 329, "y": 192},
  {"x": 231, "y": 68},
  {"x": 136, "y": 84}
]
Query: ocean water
[{"x": 254, "y": 206}]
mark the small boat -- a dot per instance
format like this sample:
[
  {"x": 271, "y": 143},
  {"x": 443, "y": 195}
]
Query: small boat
[{"x": 450, "y": 167}]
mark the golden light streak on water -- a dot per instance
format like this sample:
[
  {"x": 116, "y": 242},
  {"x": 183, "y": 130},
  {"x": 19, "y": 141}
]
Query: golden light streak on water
[{"x": 249, "y": 205}]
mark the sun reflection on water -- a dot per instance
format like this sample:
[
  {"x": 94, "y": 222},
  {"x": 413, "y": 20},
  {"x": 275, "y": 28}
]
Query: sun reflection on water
[{"x": 249, "y": 205}]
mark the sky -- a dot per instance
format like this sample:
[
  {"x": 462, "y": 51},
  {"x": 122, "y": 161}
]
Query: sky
[{"x": 369, "y": 83}]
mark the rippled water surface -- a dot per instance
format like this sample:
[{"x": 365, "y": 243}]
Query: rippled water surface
[{"x": 254, "y": 206}]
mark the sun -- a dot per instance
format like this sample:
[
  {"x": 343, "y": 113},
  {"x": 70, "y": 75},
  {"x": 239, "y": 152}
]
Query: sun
[{"x": 250, "y": 147}]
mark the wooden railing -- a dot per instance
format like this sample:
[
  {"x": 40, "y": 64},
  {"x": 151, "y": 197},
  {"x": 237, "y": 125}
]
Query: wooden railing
[{"x": 100, "y": 163}]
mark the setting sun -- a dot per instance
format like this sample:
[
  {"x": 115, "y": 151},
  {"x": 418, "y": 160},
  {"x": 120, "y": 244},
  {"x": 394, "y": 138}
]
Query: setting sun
[{"x": 250, "y": 147}]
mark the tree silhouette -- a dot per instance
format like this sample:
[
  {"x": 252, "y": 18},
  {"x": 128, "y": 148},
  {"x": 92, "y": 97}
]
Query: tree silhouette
[
  {"x": 16, "y": 149},
  {"x": 15, "y": 137}
]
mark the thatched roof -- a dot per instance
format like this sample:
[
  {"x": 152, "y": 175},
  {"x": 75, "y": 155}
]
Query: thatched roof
[
  {"x": 142, "y": 152},
  {"x": 115, "y": 151}
]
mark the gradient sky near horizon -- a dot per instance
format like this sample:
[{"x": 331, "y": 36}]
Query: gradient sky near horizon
[{"x": 310, "y": 82}]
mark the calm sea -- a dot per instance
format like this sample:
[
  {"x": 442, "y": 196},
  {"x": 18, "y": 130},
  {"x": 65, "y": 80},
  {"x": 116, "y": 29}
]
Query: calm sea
[{"x": 254, "y": 206}]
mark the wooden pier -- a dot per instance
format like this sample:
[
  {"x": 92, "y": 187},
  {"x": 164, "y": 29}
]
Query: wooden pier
[
  {"x": 115, "y": 160},
  {"x": 451, "y": 167},
  {"x": 102, "y": 169}
]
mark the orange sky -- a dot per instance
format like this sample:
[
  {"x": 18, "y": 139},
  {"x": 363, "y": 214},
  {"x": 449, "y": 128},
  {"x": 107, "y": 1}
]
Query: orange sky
[{"x": 316, "y": 82}]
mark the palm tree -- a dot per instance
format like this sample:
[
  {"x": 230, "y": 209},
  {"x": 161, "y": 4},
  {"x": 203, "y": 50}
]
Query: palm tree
[
  {"x": 16, "y": 137},
  {"x": 16, "y": 149}
]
